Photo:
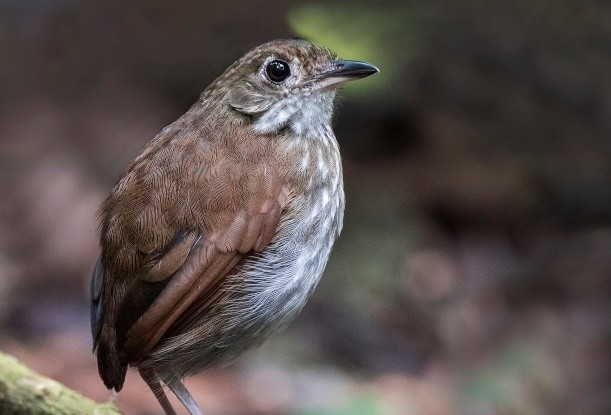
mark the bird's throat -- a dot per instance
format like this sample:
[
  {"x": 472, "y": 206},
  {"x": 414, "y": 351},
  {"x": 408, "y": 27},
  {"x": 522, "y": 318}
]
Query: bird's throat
[{"x": 306, "y": 114}]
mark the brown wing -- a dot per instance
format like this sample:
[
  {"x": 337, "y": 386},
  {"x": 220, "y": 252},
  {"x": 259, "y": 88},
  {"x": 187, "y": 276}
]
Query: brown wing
[
  {"x": 184, "y": 214},
  {"x": 192, "y": 277}
]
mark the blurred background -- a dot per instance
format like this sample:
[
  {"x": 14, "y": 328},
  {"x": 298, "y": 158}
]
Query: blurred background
[{"x": 473, "y": 275}]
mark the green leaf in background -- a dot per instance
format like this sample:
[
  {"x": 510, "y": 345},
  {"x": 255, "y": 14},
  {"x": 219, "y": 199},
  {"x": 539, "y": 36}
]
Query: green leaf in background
[
  {"x": 359, "y": 406},
  {"x": 519, "y": 380},
  {"x": 386, "y": 36}
]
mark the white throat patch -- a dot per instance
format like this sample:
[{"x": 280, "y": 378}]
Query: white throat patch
[{"x": 307, "y": 114}]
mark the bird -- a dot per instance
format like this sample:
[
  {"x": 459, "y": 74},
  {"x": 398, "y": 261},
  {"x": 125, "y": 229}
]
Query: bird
[{"x": 216, "y": 235}]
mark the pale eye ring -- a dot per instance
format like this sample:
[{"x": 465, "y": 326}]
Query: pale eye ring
[{"x": 277, "y": 71}]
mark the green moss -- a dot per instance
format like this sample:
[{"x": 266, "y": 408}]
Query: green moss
[{"x": 24, "y": 392}]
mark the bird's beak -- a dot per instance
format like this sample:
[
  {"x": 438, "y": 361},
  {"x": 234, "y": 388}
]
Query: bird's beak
[{"x": 343, "y": 71}]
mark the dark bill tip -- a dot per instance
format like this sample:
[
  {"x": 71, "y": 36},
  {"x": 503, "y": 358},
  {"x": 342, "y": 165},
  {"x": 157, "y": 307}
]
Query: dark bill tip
[{"x": 352, "y": 69}]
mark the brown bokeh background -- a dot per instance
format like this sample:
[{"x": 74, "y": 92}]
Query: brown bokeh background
[{"x": 473, "y": 275}]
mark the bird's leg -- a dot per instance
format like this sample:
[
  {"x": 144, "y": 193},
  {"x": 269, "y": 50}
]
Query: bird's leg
[
  {"x": 184, "y": 396},
  {"x": 152, "y": 380}
]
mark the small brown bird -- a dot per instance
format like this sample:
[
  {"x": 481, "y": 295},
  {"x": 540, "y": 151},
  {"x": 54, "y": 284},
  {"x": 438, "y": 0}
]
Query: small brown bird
[{"x": 216, "y": 235}]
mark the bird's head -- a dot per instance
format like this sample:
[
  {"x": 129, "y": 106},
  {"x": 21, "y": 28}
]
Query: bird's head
[{"x": 287, "y": 84}]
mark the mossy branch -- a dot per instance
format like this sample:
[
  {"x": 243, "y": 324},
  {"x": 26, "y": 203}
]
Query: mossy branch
[{"x": 24, "y": 392}]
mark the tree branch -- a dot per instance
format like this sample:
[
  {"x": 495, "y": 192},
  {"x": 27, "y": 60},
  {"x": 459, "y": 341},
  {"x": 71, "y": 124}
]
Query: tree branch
[{"x": 25, "y": 392}]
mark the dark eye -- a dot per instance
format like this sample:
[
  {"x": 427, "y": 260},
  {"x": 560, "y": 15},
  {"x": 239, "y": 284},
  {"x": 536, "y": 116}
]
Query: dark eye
[{"x": 278, "y": 71}]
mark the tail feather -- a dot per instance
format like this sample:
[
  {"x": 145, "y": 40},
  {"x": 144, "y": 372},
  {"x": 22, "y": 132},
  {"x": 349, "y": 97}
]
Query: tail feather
[{"x": 112, "y": 369}]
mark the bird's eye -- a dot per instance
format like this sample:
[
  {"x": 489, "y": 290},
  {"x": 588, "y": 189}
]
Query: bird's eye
[{"x": 278, "y": 71}]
